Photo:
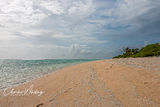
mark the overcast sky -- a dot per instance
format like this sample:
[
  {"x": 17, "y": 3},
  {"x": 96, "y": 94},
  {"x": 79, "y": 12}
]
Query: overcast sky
[{"x": 49, "y": 29}]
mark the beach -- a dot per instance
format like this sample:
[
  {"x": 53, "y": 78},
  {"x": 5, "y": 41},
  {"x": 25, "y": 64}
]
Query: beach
[{"x": 129, "y": 82}]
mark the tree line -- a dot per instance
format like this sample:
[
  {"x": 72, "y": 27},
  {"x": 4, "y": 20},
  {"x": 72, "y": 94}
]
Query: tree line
[{"x": 149, "y": 50}]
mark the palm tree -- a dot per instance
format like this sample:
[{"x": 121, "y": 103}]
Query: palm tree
[
  {"x": 135, "y": 51},
  {"x": 127, "y": 50}
]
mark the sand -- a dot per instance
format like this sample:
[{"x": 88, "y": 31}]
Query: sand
[{"x": 106, "y": 83}]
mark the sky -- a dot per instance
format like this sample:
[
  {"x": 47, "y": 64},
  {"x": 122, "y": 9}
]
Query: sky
[{"x": 73, "y": 29}]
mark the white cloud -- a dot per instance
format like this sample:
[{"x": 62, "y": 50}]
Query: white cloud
[
  {"x": 79, "y": 51},
  {"x": 52, "y": 5},
  {"x": 18, "y": 12},
  {"x": 74, "y": 26},
  {"x": 82, "y": 9},
  {"x": 27, "y": 51}
]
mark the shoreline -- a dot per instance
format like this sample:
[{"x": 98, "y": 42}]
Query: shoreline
[
  {"x": 43, "y": 75},
  {"x": 96, "y": 83}
]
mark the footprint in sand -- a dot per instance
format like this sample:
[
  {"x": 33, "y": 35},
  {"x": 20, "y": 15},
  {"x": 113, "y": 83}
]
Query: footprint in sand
[{"x": 39, "y": 105}]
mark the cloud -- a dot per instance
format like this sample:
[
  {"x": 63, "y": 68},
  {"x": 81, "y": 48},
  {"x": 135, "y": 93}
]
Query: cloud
[
  {"x": 81, "y": 10},
  {"x": 76, "y": 28},
  {"x": 18, "y": 12},
  {"x": 79, "y": 51},
  {"x": 52, "y": 6}
]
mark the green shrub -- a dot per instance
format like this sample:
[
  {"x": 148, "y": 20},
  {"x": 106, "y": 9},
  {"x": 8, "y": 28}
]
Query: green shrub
[{"x": 149, "y": 50}]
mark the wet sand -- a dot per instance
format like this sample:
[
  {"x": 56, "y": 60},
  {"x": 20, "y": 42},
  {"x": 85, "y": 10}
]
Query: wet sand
[{"x": 107, "y": 83}]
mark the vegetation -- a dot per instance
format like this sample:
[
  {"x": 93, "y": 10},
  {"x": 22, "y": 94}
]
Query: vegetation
[{"x": 149, "y": 50}]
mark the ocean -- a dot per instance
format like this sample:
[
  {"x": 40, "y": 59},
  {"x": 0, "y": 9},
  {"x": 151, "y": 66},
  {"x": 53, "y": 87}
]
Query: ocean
[{"x": 15, "y": 72}]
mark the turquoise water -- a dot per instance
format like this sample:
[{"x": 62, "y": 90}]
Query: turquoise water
[{"x": 14, "y": 72}]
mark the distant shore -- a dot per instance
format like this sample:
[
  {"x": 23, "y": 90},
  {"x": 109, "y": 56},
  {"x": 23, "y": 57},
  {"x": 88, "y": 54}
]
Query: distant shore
[{"x": 129, "y": 82}]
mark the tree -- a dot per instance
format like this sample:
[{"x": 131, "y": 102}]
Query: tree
[
  {"x": 147, "y": 51},
  {"x": 135, "y": 51},
  {"x": 127, "y": 50}
]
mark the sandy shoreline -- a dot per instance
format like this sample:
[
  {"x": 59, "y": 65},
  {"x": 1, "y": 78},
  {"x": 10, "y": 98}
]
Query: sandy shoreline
[
  {"x": 106, "y": 83},
  {"x": 23, "y": 83}
]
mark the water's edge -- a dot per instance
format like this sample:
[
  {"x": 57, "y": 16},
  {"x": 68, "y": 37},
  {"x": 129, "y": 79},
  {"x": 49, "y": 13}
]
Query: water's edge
[{"x": 17, "y": 75}]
